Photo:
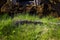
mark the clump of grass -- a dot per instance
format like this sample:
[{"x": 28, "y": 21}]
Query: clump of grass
[{"x": 46, "y": 31}]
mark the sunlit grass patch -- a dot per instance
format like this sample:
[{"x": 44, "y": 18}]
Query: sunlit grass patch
[{"x": 46, "y": 31}]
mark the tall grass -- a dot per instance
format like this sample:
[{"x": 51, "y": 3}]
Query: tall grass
[{"x": 45, "y": 31}]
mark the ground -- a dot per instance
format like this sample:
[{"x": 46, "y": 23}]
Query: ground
[{"x": 49, "y": 30}]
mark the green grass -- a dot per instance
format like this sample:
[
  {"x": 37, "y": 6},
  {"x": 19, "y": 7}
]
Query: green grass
[{"x": 45, "y": 31}]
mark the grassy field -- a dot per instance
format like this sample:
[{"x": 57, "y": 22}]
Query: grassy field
[{"x": 49, "y": 30}]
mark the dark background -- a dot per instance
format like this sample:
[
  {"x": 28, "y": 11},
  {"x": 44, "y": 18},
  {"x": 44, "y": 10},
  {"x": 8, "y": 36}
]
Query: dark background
[{"x": 26, "y": 0}]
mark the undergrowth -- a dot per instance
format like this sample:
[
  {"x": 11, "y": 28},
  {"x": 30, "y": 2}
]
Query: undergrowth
[{"x": 49, "y": 30}]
